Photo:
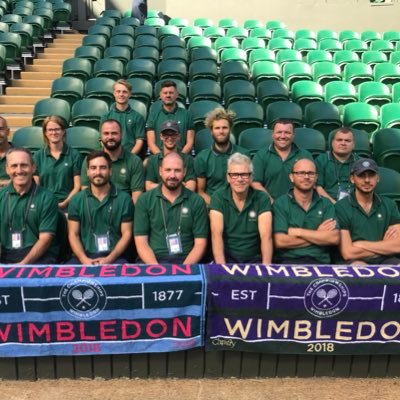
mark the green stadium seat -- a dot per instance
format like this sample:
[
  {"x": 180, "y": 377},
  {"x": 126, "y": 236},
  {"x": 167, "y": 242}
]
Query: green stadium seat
[
  {"x": 252, "y": 23},
  {"x": 296, "y": 71},
  {"x": 146, "y": 30},
  {"x": 122, "y": 30},
  {"x": 305, "y": 34},
  {"x": 172, "y": 69},
  {"x": 238, "y": 33},
  {"x": 4, "y": 27},
  {"x": 283, "y": 33},
  {"x": 361, "y": 116},
  {"x": 202, "y": 140},
  {"x": 288, "y": 55},
  {"x": 101, "y": 30},
  {"x": 314, "y": 56},
  {"x": 238, "y": 90},
  {"x": 25, "y": 31},
  {"x": 326, "y": 34},
  {"x": 275, "y": 24},
  {"x": 213, "y": 33},
  {"x": 395, "y": 57},
  {"x": 88, "y": 112},
  {"x": 304, "y": 46},
  {"x": 262, "y": 33},
  {"x": 101, "y": 88},
  {"x": 357, "y": 72},
  {"x": 324, "y": 72},
  {"x": 306, "y": 92},
  {"x": 390, "y": 115},
  {"x": 251, "y": 43},
  {"x": 382, "y": 45},
  {"x": 37, "y": 23},
  {"x": 256, "y": 55},
  {"x": 362, "y": 146},
  {"x": 369, "y": 36},
  {"x": 348, "y": 34},
  {"x": 188, "y": 32},
  {"x": 179, "y": 22},
  {"x": 47, "y": 16},
  {"x": 391, "y": 36},
  {"x": 11, "y": 19},
  {"x": 128, "y": 42},
  {"x": 156, "y": 22},
  {"x": 271, "y": 91},
  {"x": 174, "y": 53},
  {"x": 387, "y": 73},
  {"x": 199, "y": 110},
  {"x": 276, "y": 44},
  {"x": 233, "y": 70},
  {"x": 148, "y": 53},
  {"x": 247, "y": 115},
  {"x": 396, "y": 93},
  {"x": 322, "y": 116},
  {"x": 227, "y": 23},
  {"x": 116, "y": 14},
  {"x": 168, "y": 30},
  {"x": 203, "y": 53},
  {"x": 67, "y": 88},
  {"x": 204, "y": 89},
  {"x": 340, "y": 93},
  {"x": 122, "y": 54},
  {"x": 203, "y": 69},
  {"x": 284, "y": 110},
  {"x": 83, "y": 138},
  {"x": 180, "y": 86},
  {"x": 139, "y": 106},
  {"x": 151, "y": 13},
  {"x": 12, "y": 43},
  {"x": 171, "y": 40},
  {"x": 330, "y": 45},
  {"x": 130, "y": 21},
  {"x": 254, "y": 139},
  {"x": 233, "y": 54},
  {"x": 45, "y": 107},
  {"x": 198, "y": 42},
  {"x": 265, "y": 70},
  {"x": 141, "y": 68},
  {"x": 223, "y": 43},
  {"x": 23, "y": 11},
  {"x": 389, "y": 184},
  {"x": 142, "y": 90},
  {"x": 108, "y": 68},
  {"x": 95, "y": 40},
  {"x": 311, "y": 140},
  {"x": 356, "y": 45},
  {"x": 108, "y": 21},
  {"x": 203, "y": 22},
  {"x": 30, "y": 137},
  {"x": 344, "y": 57},
  {"x": 78, "y": 68},
  {"x": 373, "y": 57},
  {"x": 386, "y": 148},
  {"x": 374, "y": 93}
]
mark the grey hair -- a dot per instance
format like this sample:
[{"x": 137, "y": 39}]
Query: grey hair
[{"x": 240, "y": 159}]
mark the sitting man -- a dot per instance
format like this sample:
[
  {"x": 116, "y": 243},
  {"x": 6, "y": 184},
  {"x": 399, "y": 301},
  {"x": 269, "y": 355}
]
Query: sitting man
[
  {"x": 369, "y": 223},
  {"x": 100, "y": 217},
  {"x": 171, "y": 222},
  {"x": 304, "y": 222},
  {"x": 241, "y": 218}
]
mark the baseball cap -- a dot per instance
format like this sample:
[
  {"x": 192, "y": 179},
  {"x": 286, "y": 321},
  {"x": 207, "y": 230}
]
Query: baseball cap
[
  {"x": 170, "y": 126},
  {"x": 365, "y": 164}
]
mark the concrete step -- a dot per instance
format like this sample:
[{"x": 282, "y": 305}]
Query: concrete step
[
  {"x": 7, "y": 99},
  {"x": 69, "y": 38},
  {"x": 52, "y": 56},
  {"x": 16, "y": 108},
  {"x": 64, "y": 45},
  {"x": 43, "y": 68},
  {"x": 58, "y": 50},
  {"x": 34, "y": 83},
  {"x": 17, "y": 121},
  {"x": 40, "y": 75},
  {"x": 28, "y": 91},
  {"x": 48, "y": 61}
]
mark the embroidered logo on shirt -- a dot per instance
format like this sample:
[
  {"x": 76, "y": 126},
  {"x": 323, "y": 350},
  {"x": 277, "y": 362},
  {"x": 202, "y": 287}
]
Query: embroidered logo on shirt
[
  {"x": 185, "y": 211},
  {"x": 252, "y": 215},
  {"x": 123, "y": 171},
  {"x": 66, "y": 164}
]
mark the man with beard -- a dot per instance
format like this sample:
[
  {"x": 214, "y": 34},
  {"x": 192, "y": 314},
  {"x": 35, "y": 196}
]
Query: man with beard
[
  {"x": 170, "y": 137},
  {"x": 304, "y": 222},
  {"x": 171, "y": 222},
  {"x": 100, "y": 217},
  {"x": 127, "y": 168},
  {"x": 166, "y": 110},
  {"x": 272, "y": 165},
  {"x": 210, "y": 164},
  {"x": 4, "y": 147},
  {"x": 132, "y": 123},
  {"x": 369, "y": 223}
]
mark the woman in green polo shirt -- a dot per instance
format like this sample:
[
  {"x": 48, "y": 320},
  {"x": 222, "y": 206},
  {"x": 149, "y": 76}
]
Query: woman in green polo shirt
[{"x": 58, "y": 166}]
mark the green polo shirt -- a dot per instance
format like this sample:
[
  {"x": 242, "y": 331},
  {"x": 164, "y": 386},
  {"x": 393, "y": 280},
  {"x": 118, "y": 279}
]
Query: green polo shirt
[
  {"x": 158, "y": 115},
  {"x": 154, "y": 163},
  {"x": 3, "y": 173},
  {"x": 187, "y": 215},
  {"x": 363, "y": 226},
  {"x": 289, "y": 214},
  {"x": 241, "y": 235},
  {"x": 212, "y": 165},
  {"x": 58, "y": 175},
  {"x": 333, "y": 175},
  {"x": 32, "y": 213},
  {"x": 127, "y": 173},
  {"x": 99, "y": 217},
  {"x": 132, "y": 124},
  {"x": 273, "y": 172}
]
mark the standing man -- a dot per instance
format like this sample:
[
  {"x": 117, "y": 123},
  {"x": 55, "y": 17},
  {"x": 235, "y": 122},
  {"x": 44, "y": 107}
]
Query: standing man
[
  {"x": 171, "y": 222},
  {"x": 4, "y": 147},
  {"x": 166, "y": 111},
  {"x": 127, "y": 169},
  {"x": 169, "y": 136},
  {"x": 100, "y": 217},
  {"x": 210, "y": 165},
  {"x": 132, "y": 123},
  {"x": 28, "y": 214},
  {"x": 304, "y": 222},
  {"x": 369, "y": 223},
  {"x": 272, "y": 165},
  {"x": 334, "y": 166},
  {"x": 241, "y": 218}
]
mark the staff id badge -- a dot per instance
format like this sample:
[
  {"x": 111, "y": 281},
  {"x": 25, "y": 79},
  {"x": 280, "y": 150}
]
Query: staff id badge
[
  {"x": 16, "y": 240},
  {"x": 102, "y": 243},
  {"x": 174, "y": 244},
  {"x": 342, "y": 194}
]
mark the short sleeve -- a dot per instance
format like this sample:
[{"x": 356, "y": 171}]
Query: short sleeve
[
  {"x": 137, "y": 174},
  {"x": 280, "y": 217},
  {"x": 151, "y": 171},
  {"x": 258, "y": 166},
  {"x": 342, "y": 215},
  {"x": 142, "y": 217},
  {"x": 49, "y": 214},
  {"x": 74, "y": 209},
  {"x": 200, "y": 218}
]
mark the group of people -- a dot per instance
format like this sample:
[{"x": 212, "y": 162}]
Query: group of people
[{"x": 220, "y": 206}]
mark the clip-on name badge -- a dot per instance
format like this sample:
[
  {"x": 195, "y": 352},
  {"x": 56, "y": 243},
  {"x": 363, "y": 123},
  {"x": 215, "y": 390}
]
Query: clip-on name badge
[
  {"x": 102, "y": 242},
  {"x": 16, "y": 240},
  {"x": 174, "y": 244}
]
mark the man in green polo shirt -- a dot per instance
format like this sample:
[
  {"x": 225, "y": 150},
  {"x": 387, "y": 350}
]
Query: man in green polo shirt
[
  {"x": 171, "y": 222},
  {"x": 28, "y": 214},
  {"x": 305, "y": 224},
  {"x": 369, "y": 223},
  {"x": 4, "y": 147},
  {"x": 132, "y": 123},
  {"x": 241, "y": 218},
  {"x": 100, "y": 217},
  {"x": 127, "y": 168},
  {"x": 210, "y": 164},
  {"x": 334, "y": 166},
  {"x": 166, "y": 111},
  {"x": 169, "y": 135},
  {"x": 272, "y": 165}
]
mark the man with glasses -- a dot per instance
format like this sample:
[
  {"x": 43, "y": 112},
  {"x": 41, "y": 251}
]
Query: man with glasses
[
  {"x": 4, "y": 147},
  {"x": 305, "y": 223},
  {"x": 241, "y": 218},
  {"x": 273, "y": 164},
  {"x": 100, "y": 217},
  {"x": 169, "y": 136},
  {"x": 369, "y": 223}
]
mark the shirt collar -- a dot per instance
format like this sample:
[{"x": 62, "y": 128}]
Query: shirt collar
[
  {"x": 217, "y": 152},
  {"x": 65, "y": 149},
  {"x": 184, "y": 194},
  {"x": 114, "y": 108}
]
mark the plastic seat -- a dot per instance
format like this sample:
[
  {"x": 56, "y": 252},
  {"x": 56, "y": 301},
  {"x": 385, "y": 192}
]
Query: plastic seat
[
  {"x": 199, "y": 110},
  {"x": 179, "y": 22},
  {"x": 392, "y": 36},
  {"x": 382, "y": 45},
  {"x": 203, "y": 53},
  {"x": 142, "y": 90},
  {"x": 172, "y": 41},
  {"x": 25, "y": 31},
  {"x": 394, "y": 57},
  {"x": 90, "y": 53},
  {"x": 331, "y": 45},
  {"x": 369, "y": 36},
  {"x": 122, "y": 30},
  {"x": 311, "y": 140},
  {"x": 202, "y": 140},
  {"x": 196, "y": 42},
  {"x": 203, "y": 69},
  {"x": 156, "y": 22},
  {"x": 252, "y": 23},
  {"x": 284, "y": 110},
  {"x": 4, "y": 27},
  {"x": 67, "y": 88},
  {"x": 314, "y": 56},
  {"x": 389, "y": 184},
  {"x": 174, "y": 53},
  {"x": 213, "y": 33},
  {"x": 11, "y": 19},
  {"x": 12, "y": 43},
  {"x": 340, "y": 93},
  {"x": 390, "y": 116},
  {"x": 88, "y": 112},
  {"x": 362, "y": 146},
  {"x": 322, "y": 116},
  {"x": 22, "y": 11},
  {"x": 139, "y": 107},
  {"x": 203, "y": 22},
  {"x": 233, "y": 54},
  {"x": 357, "y": 72},
  {"x": 188, "y": 32},
  {"x": 274, "y": 24},
  {"x": 343, "y": 57},
  {"x": 83, "y": 138},
  {"x": 356, "y": 45},
  {"x": 100, "y": 88},
  {"x": 180, "y": 87},
  {"x": 116, "y": 14},
  {"x": 324, "y": 72},
  {"x": 247, "y": 115},
  {"x": 265, "y": 70},
  {"x": 223, "y": 43},
  {"x": 148, "y": 53},
  {"x": 141, "y": 68},
  {"x": 172, "y": 69},
  {"x": 374, "y": 93},
  {"x": 37, "y": 23},
  {"x": 205, "y": 89},
  {"x": 283, "y": 33},
  {"x": 108, "y": 21},
  {"x": 373, "y": 57},
  {"x": 396, "y": 93},
  {"x": 296, "y": 71},
  {"x": 47, "y": 16},
  {"x": 95, "y": 40},
  {"x": 305, "y": 45},
  {"x": 387, "y": 73},
  {"x": 227, "y": 23},
  {"x": 101, "y": 30},
  {"x": 348, "y": 34},
  {"x": 77, "y": 68},
  {"x": 145, "y": 30},
  {"x": 45, "y": 107},
  {"x": 305, "y": 34},
  {"x": 126, "y": 41},
  {"x": 254, "y": 139},
  {"x": 238, "y": 33},
  {"x": 306, "y": 92},
  {"x": 238, "y": 90},
  {"x": 30, "y": 137},
  {"x": 287, "y": 55},
  {"x": 361, "y": 116},
  {"x": 151, "y": 13},
  {"x": 276, "y": 44},
  {"x": 233, "y": 70},
  {"x": 119, "y": 53},
  {"x": 262, "y": 33},
  {"x": 108, "y": 68},
  {"x": 168, "y": 30},
  {"x": 386, "y": 148},
  {"x": 326, "y": 34},
  {"x": 256, "y": 55},
  {"x": 130, "y": 21},
  {"x": 271, "y": 91}
]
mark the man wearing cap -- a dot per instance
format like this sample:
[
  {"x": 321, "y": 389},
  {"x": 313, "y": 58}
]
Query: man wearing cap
[
  {"x": 127, "y": 168},
  {"x": 132, "y": 123},
  {"x": 369, "y": 223},
  {"x": 171, "y": 222},
  {"x": 334, "y": 166},
  {"x": 305, "y": 225},
  {"x": 272, "y": 165},
  {"x": 169, "y": 136}
]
